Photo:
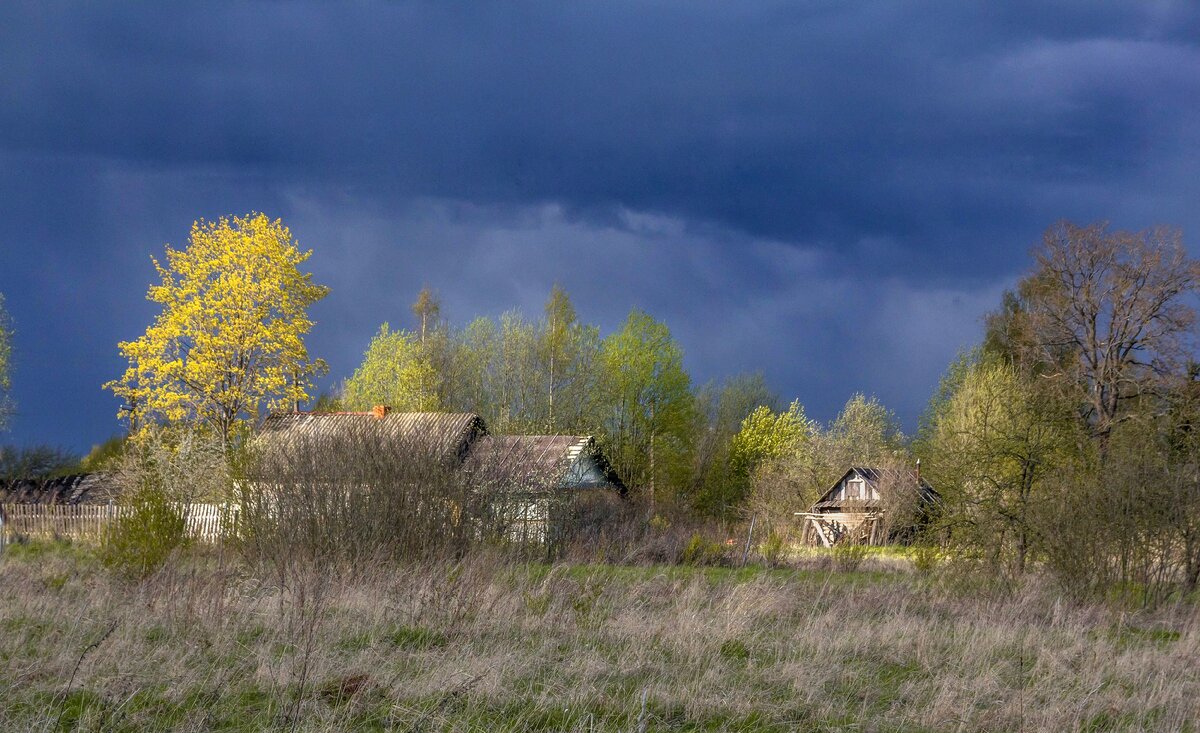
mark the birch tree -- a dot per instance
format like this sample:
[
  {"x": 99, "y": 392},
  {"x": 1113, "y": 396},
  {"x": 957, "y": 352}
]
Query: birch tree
[
  {"x": 649, "y": 404},
  {"x": 5, "y": 364},
  {"x": 394, "y": 372}
]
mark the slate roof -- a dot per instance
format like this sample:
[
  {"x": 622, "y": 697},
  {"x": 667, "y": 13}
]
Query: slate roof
[
  {"x": 80, "y": 488},
  {"x": 446, "y": 435},
  {"x": 538, "y": 462}
]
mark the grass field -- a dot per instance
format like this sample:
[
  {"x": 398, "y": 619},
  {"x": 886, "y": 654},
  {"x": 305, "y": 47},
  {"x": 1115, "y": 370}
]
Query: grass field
[{"x": 491, "y": 645}]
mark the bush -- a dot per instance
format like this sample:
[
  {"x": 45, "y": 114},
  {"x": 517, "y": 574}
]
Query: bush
[
  {"x": 925, "y": 557},
  {"x": 138, "y": 543},
  {"x": 848, "y": 556},
  {"x": 773, "y": 549},
  {"x": 702, "y": 551}
]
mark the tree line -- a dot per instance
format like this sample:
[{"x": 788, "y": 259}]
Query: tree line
[{"x": 1067, "y": 439}]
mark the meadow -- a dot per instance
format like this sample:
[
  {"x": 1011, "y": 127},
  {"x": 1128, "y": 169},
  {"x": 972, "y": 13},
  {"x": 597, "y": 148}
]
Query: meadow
[{"x": 491, "y": 644}]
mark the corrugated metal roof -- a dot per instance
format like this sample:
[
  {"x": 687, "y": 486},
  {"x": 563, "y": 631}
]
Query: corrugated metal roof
[
  {"x": 443, "y": 434},
  {"x": 81, "y": 488}
]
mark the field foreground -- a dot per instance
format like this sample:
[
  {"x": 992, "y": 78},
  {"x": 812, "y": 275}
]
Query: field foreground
[{"x": 487, "y": 645}]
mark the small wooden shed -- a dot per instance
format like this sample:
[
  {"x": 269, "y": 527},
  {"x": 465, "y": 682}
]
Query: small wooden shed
[{"x": 855, "y": 507}]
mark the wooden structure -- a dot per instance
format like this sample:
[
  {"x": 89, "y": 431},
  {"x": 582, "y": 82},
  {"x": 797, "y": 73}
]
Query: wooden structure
[
  {"x": 530, "y": 483},
  {"x": 854, "y": 509},
  {"x": 87, "y": 522},
  {"x": 538, "y": 481}
]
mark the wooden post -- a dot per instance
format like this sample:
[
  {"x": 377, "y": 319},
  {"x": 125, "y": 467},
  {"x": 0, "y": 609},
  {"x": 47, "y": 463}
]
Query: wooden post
[{"x": 749, "y": 535}]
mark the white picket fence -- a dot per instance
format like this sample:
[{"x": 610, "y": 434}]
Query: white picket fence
[{"x": 86, "y": 522}]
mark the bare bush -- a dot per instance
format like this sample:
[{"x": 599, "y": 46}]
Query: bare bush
[{"x": 357, "y": 499}]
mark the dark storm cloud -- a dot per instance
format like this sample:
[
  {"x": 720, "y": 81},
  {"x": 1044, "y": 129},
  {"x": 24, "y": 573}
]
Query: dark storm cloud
[{"x": 792, "y": 186}]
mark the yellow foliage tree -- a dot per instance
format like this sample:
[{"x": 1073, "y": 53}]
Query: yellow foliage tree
[{"x": 230, "y": 337}]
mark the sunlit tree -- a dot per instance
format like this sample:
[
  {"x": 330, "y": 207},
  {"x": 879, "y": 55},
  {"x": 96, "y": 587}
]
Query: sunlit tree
[
  {"x": 229, "y": 339},
  {"x": 394, "y": 372},
  {"x": 649, "y": 404}
]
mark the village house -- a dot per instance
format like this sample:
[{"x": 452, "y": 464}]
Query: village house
[
  {"x": 531, "y": 483},
  {"x": 872, "y": 506},
  {"x": 544, "y": 480}
]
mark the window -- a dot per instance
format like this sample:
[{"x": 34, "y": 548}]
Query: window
[{"x": 854, "y": 488}]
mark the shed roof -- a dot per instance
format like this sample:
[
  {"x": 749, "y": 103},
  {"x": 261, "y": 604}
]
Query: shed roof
[{"x": 80, "y": 488}]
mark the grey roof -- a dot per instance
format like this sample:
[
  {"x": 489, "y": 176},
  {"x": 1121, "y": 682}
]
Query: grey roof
[
  {"x": 538, "y": 462},
  {"x": 80, "y": 488},
  {"x": 446, "y": 435},
  {"x": 873, "y": 477}
]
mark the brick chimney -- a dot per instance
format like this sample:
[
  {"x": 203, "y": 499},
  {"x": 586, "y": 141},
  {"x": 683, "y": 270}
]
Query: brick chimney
[{"x": 380, "y": 411}]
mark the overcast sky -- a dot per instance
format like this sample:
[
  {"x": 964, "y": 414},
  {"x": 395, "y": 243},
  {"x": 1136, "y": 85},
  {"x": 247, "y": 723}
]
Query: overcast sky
[{"x": 830, "y": 192}]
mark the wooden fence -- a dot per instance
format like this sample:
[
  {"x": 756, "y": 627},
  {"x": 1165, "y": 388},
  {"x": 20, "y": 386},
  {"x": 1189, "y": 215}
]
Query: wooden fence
[{"x": 86, "y": 522}]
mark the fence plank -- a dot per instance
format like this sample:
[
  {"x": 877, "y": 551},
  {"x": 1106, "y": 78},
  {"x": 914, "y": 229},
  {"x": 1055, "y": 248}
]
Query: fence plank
[{"x": 87, "y": 522}]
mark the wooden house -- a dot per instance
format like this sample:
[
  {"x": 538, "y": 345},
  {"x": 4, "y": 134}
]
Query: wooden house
[
  {"x": 856, "y": 507},
  {"x": 528, "y": 483},
  {"x": 540, "y": 481}
]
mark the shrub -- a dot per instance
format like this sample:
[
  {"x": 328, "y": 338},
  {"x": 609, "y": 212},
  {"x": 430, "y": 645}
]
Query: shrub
[
  {"x": 848, "y": 556},
  {"x": 773, "y": 548},
  {"x": 139, "y": 542},
  {"x": 702, "y": 551},
  {"x": 925, "y": 557}
]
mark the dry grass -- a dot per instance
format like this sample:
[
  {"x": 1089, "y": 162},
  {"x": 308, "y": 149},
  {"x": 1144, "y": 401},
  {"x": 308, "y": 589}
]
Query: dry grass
[{"x": 488, "y": 645}]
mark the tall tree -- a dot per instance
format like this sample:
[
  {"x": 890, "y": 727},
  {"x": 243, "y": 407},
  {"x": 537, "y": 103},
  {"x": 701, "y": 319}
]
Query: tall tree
[
  {"x": 993, "y": 447},
  {"x": 556, "y": 344},
  {"x": 229, "y": 339},
  {"x": 427, "y": 309},
  {"x": 394, "y": 372},
  {"x": 469, "y": 383},
  {"x": 5, "y": 364},
  {"x": 865, "y": 433},
  {"x": 567, "y": 354},
  {"x": 1105, "y": 314},
  {"x": 720, "y": 410},
  {"x": 648, "y": 427},
  {"x": 520, "y": 394},
  {"x": 765, "y": 435}
]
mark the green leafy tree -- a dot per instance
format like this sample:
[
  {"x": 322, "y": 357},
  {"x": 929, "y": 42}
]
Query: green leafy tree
[
  {"x": 719, "y": 413},
  {"x": 229, "y": 339},
  {"x": 470, "y": 379},
  {"x": 996, "y": 444},
  {"x": 649, "y": 412},
  {"x": 765, "y": 436},
  {"x": 394, "y": 372},
  {"x": 520, "y": 392},
  {"x": 864, "y": 433},
  {"x": 567, "y": 354}
]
